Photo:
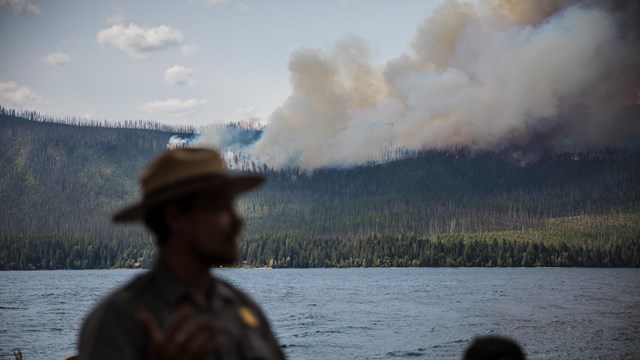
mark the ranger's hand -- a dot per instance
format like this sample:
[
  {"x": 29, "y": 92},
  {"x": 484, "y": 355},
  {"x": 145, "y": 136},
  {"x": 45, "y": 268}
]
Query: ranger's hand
[{"x": 185, "y": 338}]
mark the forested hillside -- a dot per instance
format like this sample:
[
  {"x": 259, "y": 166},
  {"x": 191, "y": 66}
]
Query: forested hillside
[{"x": 60, "y": 183}]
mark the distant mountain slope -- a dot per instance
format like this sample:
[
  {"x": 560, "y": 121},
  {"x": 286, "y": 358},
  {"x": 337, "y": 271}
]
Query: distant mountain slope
[
  {"x": 435, "y": 192},
  {"x": 60, "y": 184},
  {"x": 57, "y": 178}
]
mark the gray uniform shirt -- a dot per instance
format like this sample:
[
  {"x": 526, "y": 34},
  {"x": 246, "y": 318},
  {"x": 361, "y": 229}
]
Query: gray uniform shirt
[{"x": 112, "y": 331}]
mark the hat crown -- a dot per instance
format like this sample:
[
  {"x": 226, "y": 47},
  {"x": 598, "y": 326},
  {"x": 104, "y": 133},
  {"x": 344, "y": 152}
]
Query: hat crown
[
  {"x": 178, "y": 172},
  {"x": 176, "y": 166}
]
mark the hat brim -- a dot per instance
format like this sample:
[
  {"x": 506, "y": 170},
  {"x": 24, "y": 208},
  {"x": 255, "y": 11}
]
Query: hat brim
[{"x": 231, "y": 185}]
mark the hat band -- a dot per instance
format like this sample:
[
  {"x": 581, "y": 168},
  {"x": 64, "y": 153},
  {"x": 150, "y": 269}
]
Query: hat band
[{"x": 184, "y": 183}]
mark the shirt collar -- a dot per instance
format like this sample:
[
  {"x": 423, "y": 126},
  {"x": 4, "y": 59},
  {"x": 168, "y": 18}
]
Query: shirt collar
[
  {"x": 223, "y": 291},
  {"x": 176, "y": 292},
  {"x": 172, "y": 288}
]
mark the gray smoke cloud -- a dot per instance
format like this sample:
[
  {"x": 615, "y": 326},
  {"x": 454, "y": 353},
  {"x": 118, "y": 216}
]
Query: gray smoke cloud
[{"x": 550, "y": 75}]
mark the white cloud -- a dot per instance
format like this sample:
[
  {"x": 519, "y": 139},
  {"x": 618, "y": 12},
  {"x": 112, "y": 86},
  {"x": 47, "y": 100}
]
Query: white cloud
[
  {"x": 139, "y": 42},
  {"x": 175, "y": 107},
  {"x": 118, "y": 18},
  {"x": 190, "y": 49},
  {"x": 21, "y": 6},
  {"x": 56, "y": 59},
  {"x": 16, "y": 96},
  {"x": 242, "y": 7},
  {"x": 209, "y": 2},
  {"x": 180, "y": 75},
  {"x": 250, "y": 114}
]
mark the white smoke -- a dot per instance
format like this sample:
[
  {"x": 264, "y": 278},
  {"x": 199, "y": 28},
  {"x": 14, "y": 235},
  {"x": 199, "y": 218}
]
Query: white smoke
[
  {"x": 176, "y": 142},
  {"x": 231, "y": 141},
  {"x": 494, "y": 75}
]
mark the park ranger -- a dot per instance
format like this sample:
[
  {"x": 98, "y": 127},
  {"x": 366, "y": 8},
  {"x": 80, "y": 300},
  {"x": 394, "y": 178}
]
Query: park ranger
[{"x": 178, "y": 310}]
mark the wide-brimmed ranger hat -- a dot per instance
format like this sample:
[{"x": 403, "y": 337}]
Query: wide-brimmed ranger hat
[{"x": 180, "y": 172}]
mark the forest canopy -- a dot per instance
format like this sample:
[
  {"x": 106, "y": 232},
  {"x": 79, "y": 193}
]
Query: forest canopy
[{"x": 62, "y": 180}]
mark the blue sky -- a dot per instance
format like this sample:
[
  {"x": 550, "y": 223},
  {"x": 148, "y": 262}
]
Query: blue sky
[{"x": 180, "y": 61}]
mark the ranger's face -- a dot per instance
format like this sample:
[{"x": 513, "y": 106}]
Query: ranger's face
[{"x": 214, "y": 229}]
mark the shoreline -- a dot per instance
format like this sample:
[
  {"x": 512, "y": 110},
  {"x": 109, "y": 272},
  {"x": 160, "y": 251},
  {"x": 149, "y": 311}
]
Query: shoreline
[{"x": 353, "y": 267}]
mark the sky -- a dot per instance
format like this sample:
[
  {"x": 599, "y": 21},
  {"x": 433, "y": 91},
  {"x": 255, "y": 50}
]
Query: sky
[
  {"x": 179, "y": 61},
  {"x": 337, "y": 83}
]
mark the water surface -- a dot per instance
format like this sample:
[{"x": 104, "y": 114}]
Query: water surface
[{"x": 369, "y": 313}]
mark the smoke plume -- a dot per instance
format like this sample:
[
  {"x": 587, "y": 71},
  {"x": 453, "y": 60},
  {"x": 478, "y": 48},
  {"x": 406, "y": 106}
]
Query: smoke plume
[{"x": 535, "y": 75}]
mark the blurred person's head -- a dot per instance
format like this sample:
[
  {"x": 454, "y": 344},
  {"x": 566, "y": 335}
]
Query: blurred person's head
[
  {"x": 188, "y": 204},
  {"x": 494, "y": 348}
]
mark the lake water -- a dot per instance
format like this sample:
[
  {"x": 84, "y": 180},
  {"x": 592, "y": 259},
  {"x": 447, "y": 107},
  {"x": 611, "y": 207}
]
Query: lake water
[{"x": 369, "y": 313}]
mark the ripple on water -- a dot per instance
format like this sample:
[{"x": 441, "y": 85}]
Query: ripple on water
[{"x": 419, "y": 352}]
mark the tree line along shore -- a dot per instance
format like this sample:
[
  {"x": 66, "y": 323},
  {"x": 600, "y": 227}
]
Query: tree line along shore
[{"x": 424, "y": 207}]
